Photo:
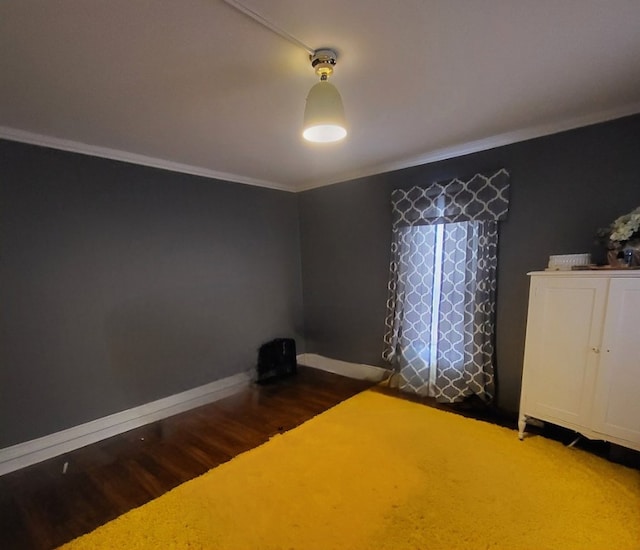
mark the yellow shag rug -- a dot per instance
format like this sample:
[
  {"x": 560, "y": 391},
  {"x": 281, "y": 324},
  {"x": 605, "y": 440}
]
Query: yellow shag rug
[{"x": 378, "y": 472}]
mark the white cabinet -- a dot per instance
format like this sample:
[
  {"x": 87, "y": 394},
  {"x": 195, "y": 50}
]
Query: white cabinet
[{"x": 582, "y": 354}]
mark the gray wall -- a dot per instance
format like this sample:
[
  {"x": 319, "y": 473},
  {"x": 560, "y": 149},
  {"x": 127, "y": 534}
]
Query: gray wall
[
  {"x": 121, "y": 284},
  {"x": 563, "y": 187}
]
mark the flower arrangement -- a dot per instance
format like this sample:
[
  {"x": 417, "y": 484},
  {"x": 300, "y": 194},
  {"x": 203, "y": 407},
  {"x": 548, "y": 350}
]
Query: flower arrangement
[{"x": 623, "y": 230}]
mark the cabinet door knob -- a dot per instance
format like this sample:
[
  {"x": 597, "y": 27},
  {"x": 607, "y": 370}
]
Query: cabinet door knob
[{"x": 595, "y": 350}]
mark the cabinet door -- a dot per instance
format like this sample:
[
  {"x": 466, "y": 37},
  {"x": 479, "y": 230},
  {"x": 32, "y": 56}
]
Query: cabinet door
[
  {"x": 564, "y": 329},
  {"x": 617, "y": 398}
]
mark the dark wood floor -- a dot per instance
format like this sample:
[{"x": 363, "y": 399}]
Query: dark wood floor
[{"x": 41, "y": 507}]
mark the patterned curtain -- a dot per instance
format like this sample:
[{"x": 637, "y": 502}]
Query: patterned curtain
[{"x": 441, "y": 307}]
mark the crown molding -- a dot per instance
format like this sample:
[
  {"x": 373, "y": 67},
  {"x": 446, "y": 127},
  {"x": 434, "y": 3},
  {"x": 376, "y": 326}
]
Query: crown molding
[
  {"x": 445, "y": 153},
  {"x": 31, "y": 138},
  {"x": 485, "y": 144}
]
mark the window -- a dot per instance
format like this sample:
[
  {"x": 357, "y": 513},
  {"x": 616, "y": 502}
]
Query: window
[{"x": 442, "y": 287}]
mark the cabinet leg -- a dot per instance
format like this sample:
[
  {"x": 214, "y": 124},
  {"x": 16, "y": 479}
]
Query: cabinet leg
[
  {"x": 522, "y": 426},
  {"x": 578, "y": 438}
]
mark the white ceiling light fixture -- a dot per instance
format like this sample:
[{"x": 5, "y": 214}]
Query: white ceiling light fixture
[{"x": 324, "y": 120}]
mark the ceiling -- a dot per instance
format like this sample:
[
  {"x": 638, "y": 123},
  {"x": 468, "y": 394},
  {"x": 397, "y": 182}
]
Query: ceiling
[{"x": 196, "y": 86}]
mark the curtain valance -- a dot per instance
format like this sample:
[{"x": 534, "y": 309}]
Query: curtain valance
[{"x": 478, "y": 198}]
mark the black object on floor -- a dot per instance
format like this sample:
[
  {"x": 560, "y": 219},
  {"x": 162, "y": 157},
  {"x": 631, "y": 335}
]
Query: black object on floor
[{"x": 276, "y": 359}]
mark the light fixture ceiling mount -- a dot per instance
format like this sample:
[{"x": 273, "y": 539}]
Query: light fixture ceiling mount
[{"x": 323, "y": 62}]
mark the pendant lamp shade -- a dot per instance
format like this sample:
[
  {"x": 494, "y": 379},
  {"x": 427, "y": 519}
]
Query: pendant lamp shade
[
  {"x": 324, "y": 114},
  {"x": 324, "y": 120}
]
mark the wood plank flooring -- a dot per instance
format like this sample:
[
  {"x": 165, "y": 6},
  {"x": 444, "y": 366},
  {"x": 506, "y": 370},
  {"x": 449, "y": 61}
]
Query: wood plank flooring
[{"x": 41, "y": 507}]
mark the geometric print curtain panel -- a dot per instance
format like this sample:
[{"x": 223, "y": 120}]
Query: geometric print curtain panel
[
  {"x": 478, "y": 198},
  {"x": 441, "y": 307}
]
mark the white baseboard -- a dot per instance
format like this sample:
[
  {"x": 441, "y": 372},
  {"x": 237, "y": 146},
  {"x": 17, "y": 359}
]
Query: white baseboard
[
  {"x": 351, "y": 370},
  {"x": 34, "y": 451}
]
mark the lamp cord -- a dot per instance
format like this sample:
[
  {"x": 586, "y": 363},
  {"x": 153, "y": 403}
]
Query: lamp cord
[{"x": 267, "y": 24}]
